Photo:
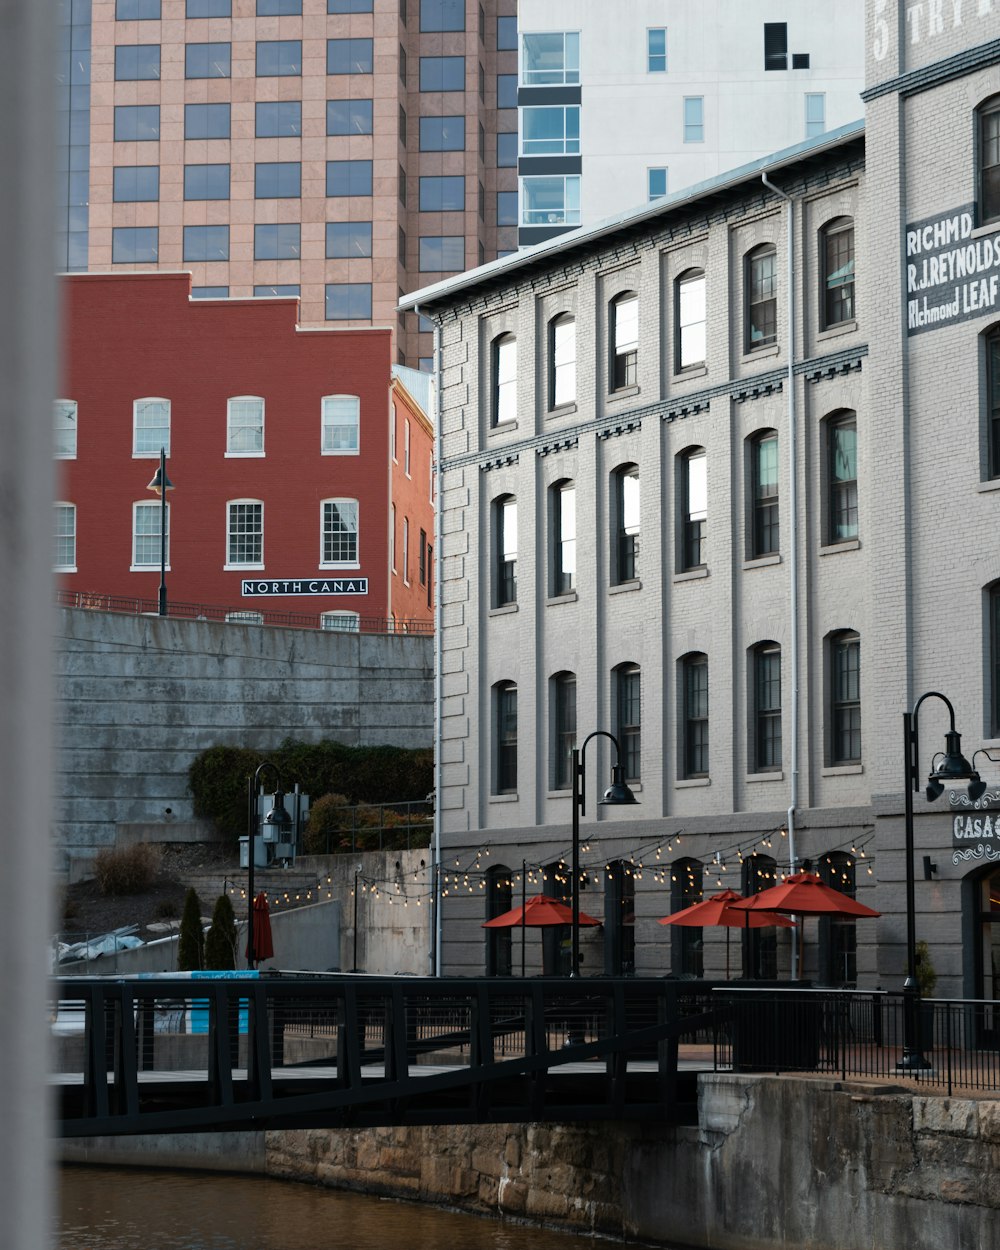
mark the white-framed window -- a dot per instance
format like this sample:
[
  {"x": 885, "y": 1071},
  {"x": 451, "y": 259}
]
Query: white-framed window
[
  {"x": 338, "y": 533},
  {"x": 656, "y": 50},
  {"x": 563, "y": 553},
  {"x": 623, "y": 341},
  {"x": 550, "y": 200},
  {"x": 550, "y": 130},
  {"x": 694, "y": 119},
  {"x": 815, "y": 114},
  {"x": 146, "y": 534},
  {"x": 406, "y": 447},
  {"x": 550, "y": 58},
  {"x": 150, "y": 427},
  {"x": 64, "y": 423},
  {"x": 341, "y": 425},
  {"x": 64, "y": 537},
  {"x": 392, "y": 538},
  {"x": 562, "y": 360},
  {"x": 245, "y": 426},
  {"x": 406, "y": 551},
  {"x": 430, "y": 476},
  {"x": 244, "y": 618},
  {"x": 245, "y": 534},
  {"x": 503, "y": 361},
  {"x": 393, "y": 418},
  {"x": 656, "y": 182},
  {"x": 691, "y": 319},
  {"x": 340, "y": 622}
]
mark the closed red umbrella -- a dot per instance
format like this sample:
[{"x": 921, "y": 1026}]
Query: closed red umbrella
[
  {"x": 717, "y": 911},
  {"x": 538, "y": 911},
  {"x": 260, "y": 918}
]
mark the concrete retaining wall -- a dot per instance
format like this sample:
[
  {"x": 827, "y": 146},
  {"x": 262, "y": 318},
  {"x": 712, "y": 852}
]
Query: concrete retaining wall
[
  {"x": 772, "y": 1162},
  {"x": 139, "y": 697}
]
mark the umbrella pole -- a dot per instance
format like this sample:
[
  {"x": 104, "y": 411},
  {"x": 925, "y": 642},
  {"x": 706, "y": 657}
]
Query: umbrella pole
[{"x": 727, "y": 954}]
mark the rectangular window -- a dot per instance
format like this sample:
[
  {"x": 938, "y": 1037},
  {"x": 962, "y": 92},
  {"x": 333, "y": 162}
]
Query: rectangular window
[
  {"x": 656, "y": 50},
  {"x": 348, "y": 6},
  {"x": 349, "y": 117},
  {"x": 505, "y": 513},
  {"x": 406, "y": 551},
  {"x": 206, "y": 121},
  {"x": 767, "y": 708},
  {"x": 208, "y": 60},
  {"x": 137, "y": 10},
  {"x": 843, "y": 467},
  {"x": 506, "y": 34},
  {"x": 993, "y": 404},
  {"x": 348, "y": 301},
  {"x": 846, "y": 686},
  {"x": 406, "y": 447},
  {"x": 564, "y": 730},
  {"x": 562, "y": 358},
  {"x": 137, "y": 62},
  {"x": 626, "y": 483},
  {"x": 137, "y": 122},
  {"x": 278, "y": 180},
  {"x": 442, "y": 134},
  {"x": 550, "y": 130},
  {"x": 442, "y": 254},
  {"x": 506, "y": 208},
  {"x": 764, "y": 452},
  {"x": 989, "y": 164},
  {"x": 696, "y": 716},
  {"x": 422, "y": 565},
  {"x": 551, "y": 200},
  {"x": 504, "y": 369},
  {"x": 694, "y": 119},
  {"x": 346, "y": 239},
  {"x": 64, "y": 416},
  {"x": 551, "y": 59},
  {"x": 209, "y": 8},
  {"x": 762, "y": 299},
  {"x": 629, "y": 721},
  {"x": 277, "y": 119},
  {"x": 695, "y": 504},
  {"x": 341, "y": 425},
  {"x": 340, "y": 532},
  {"x": 279, "y": 58},
  {"x": 656, "y": 182},
  {"x": 150, "y": 427},
  {"x": 277, "y": 242},
  {"x": 775, "y": 45},
  {"x": 134, "y": 245},
  {"x": 136, "y": 183},
  {"x": 442, "y": 15},
  {"x": 206, "y": 243},
  {"x": 442, "y": 73},
  {"x": 279, "y": 8},
  {"x": 146, "y": 535},
  {"x": 245, "y": 426},
  {"x": 506, "y": 91},
  {"x": 624, "y": 342},
  {"x": 206, "y": 182},
  {"x": 564, "y": 538},
  {"x": 838, "y": 273},
  {"x": 273, "y": 290},
  {"x": 507, "y": 149},
  {"x": 245, "y": 544},
  {"x": 815, "y": 114},
  {"x": 506, "y": 731},
  {"x": 64, "y": 538},
  {"x": 349, "y": 56},
  {"x": 994, "y": 610},
  {"x": 210, "y": 292},
  {"x": 442, "y": 194},
  {"x": 691, "y": 318},
  {"x": 348, "y": 178}
]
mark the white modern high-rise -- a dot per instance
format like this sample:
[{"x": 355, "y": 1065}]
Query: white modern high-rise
[{"x": 622, "y": 103}]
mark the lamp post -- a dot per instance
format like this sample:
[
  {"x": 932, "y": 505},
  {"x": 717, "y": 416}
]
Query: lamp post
[
  {"x": 159, "y": 486},
  {"x": 617, "y": 795},
  {"x": 276, "y": 816},
  {"x": 953, "y": 766}
]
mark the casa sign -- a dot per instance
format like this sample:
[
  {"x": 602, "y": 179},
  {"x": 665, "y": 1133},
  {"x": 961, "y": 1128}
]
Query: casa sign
[
  {"x": 950, "y": 274},
  {"x": 259, "y": 588},
  {"x": 975, "y": 827}
]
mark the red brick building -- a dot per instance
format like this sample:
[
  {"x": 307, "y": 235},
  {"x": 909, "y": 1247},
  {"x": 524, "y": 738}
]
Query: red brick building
[{"x": 300, "y": 465}]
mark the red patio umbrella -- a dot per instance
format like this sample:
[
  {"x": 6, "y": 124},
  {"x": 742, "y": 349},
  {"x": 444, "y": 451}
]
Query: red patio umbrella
[
  {"x": 538, "y": 911},
  {"x": 717, "y": 912},
  {"x": 260, "y": 918}
]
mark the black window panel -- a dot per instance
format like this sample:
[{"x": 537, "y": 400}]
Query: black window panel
[
  {"x": 629, "y": 720},
  {"x": 989, "y": 164},
  {"x": 206, "y": 243},
  {"x": 995, "y": 659},
  {"x": 442, "y": 134},
  {"x": 348, "y": 301},
  {"x": 277, "y": 242},
  {"x": 137, "y": 62},
  {"x": 767, "y": 708},
  {"x": 279, "y": 58},
  {"x": 445, "y": 194},
  {"x": 993, "y": 402},
  {"x": 349, "y": 56},
  {"x": 346, "y": 239},
  {"x": 137, "y": 10},
  {"x": 207, "y": 121},
  {"x": 138, "y": 122},
  {"x": 499, "y": 942},
  {"x": 209, "y": 8},
  {"x": 208, "y": 60},
  {"x": 279, "y": 8},
  {"x": 800, "y": 60},
  {"x": 348, "y": 117},
  {"x": 278, "y": 118},
  {"x": 442, "y": 73},
  {"x": 278, "y": 180},
  {"x": 348, "y": 178},
  {"x": 564, "y": 726},
  {"x": 136, "y": 183},
  {"x": 846, "y": 690},
  {"x": 442, "y": 15},
  {"x": 686, "y": 941},
  {"x": 696, "y": 716},
  {"x": 206, "y": 182},
  {"x": 775, "y": 45},
  {"x": 506, "y": 739}
]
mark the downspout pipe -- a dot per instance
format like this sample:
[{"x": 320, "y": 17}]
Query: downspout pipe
[
  {"x": 793, "y": 551},
  {"x": 435, "y": 953}
]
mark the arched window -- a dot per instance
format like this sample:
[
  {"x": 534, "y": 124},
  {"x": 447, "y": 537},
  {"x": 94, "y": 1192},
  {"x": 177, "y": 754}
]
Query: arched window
[
  {"x": 842, "y": 477},
  {"x": 562, "y": 361},
  {"x": 619, "y": 920},
  {"x": 989, "y": 160},
  {"x": 505, "y": 550},
  {"x": 499, "y": 899},
  {"x": 760, "y": 946},
  {"x": 562, "y": 719},
  {"x": 628, "y": 718},
  {"x": 838, "y": 939},
  {"x": 503, "y": 367},
  {"x": 763, "y": 529},
  {"x": 693, "y": 690},
  {"x": 505, "y": 738},
  {"x": 761, "y": 287},
  {"x": 766, "y": 705},
  {"x": 690, "y": 317},
  {"x": 844, "y": 664},
  {"x": 837, "y": 252},
  {"x": 687, "y": 952},
  {"x": 623, "y": 341}
]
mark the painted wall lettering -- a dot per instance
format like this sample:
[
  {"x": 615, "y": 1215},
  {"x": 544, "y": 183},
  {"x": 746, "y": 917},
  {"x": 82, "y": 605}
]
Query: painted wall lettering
[{"x": 950, "y": 276}]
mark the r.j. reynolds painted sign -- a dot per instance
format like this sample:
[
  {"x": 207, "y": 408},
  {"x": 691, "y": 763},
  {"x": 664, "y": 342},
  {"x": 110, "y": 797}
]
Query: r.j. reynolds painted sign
[
  {"x": 950, "y": 276},
  {"x": 258, "y": 588},
  {"x": 975, "y": 827}
]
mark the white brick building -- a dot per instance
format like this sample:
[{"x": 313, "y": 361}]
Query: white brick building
[{"x": 743, "y": 542}]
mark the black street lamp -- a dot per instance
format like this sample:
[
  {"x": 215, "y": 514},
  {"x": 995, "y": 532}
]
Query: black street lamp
[
  {"x": 617, "y": 795},
  {"x": 276, "y": 816},
  {"x": 946, "y": 766},
  {"x": 159, "y": 486}
]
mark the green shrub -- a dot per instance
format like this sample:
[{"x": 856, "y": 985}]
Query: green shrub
[
  {"x": 220, "y": 941},
  {"x": 329, "y": 826},
  {"x": 166, "y": 909},
  {"x": 127, "y": 869},
  {"x": 191, "y": 942}
]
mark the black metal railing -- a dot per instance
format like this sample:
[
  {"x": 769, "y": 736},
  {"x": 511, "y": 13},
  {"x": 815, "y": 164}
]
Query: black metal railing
[{"x": 405, "y": 825}]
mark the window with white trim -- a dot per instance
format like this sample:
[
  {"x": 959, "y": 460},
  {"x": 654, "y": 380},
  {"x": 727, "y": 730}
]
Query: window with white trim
[
  {"x": 392, "y": 432},
  {"x": 150, "y": 427},
  {"x": 244, "y": 618},
  {"x": 623, "y": 340},
  {"x": 406, "y": 447},
  {"x": 245, "y": 534},
  {"x": 245, "y": 426},
  {"x": 146, "y": 534},
  {"x": 341, "y": 425},
  {"x": 64, "y": 412},
  {"x": 340, "y": 622},
  {"x": 550, "y": 58},
  {"x": 406, "y": 550},
  {"x": 503, "y": 356},
  {"x": 339, "y": 533},
  {"x": 562, "y": 360},
  {"x": 691, "y": 312},
  {"x": 64, "y": 537}
]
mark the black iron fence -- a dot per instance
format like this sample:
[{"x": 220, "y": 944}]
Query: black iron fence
[{"x": 372, "y": 827}]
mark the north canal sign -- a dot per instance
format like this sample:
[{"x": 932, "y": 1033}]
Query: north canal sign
[
  {"x": 259, "y": 588},
  {"x": 951, "y": 275}
]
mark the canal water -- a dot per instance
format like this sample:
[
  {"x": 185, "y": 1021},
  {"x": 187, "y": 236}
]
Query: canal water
[{"x": 133, "y": 1209}]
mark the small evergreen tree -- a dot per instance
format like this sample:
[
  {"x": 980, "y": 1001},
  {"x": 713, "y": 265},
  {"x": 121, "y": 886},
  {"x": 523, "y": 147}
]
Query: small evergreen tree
[
  {"x": 191, "y": 942},
  {"x": 220, "y": 941}
]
